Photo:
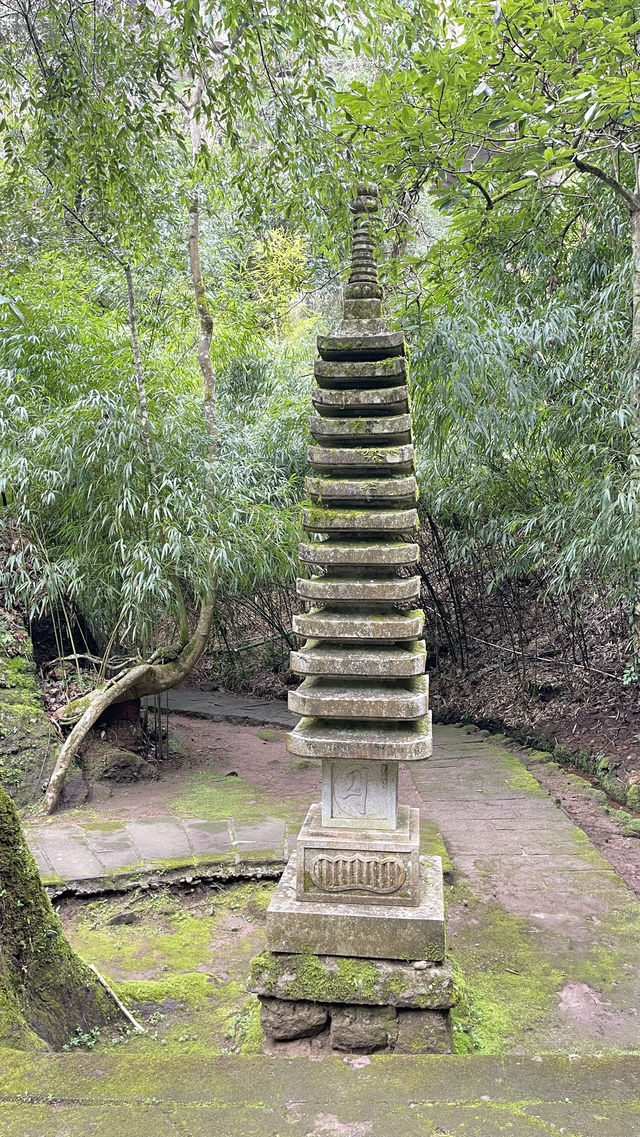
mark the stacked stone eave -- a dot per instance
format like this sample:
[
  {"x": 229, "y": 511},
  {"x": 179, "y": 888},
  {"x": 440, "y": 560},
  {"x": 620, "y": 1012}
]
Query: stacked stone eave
[{"x": 364, "y": 657}]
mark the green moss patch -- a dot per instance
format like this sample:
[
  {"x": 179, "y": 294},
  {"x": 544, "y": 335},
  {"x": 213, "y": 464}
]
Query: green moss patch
[
  {"x": 505, "y": 982},
  {"x": 215, "y": 797}
]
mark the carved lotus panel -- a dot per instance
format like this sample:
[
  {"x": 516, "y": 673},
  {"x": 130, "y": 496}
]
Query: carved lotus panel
[{"x": 350, "y": 872}]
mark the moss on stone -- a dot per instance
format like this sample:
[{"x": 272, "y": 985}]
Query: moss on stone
[
  {"x": 314, "y": 981},
  {"x": 163, "y": 936},
  {"x": 214, "y": 797},
  {"x": 193, "y": 989},
  {"x": 28, "y": 742},
  {"x": 504, "y": 980},
  {"x": 270, "y": 736}
]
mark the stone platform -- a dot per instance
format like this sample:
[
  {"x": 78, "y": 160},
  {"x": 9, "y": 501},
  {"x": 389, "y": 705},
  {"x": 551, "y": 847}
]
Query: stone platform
[
  {"x": 369, "y": 931},
  {"x": 363, "y": 1004}
]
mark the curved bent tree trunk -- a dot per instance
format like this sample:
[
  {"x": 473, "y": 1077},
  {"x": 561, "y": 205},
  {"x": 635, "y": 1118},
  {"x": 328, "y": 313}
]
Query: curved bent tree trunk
[{"x": 144, "y": 678}]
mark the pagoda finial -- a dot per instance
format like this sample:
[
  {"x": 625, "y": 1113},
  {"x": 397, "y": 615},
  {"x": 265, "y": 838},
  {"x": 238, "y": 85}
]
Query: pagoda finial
[{"x": 363, "y": 278}]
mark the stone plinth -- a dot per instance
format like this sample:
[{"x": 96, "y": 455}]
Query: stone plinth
[
  {"x": 373, "y": 930},
  {"x": 358, "y": 865},
  {"x": 361, "y": 1004}
]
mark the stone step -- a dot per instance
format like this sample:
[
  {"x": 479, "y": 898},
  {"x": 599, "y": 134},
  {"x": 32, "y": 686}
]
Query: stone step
[
  {"x": 372, "y": 554},
  {"x": 398, "y": 699},
  {"x": 338, "y": 491},
  {"x": 363, "y": 400},
  {"x": 394, "y": 459},
  {"x": 363, "y": 431},
  {"x": 366, "y": 741},
  {"x": 359, "y": 373},
  {"x": 389, "y": 590},
  {"x": 363, "y": 340},
  {"x": 393, "y": 662},
  {"x": 365, "y": 626},
  {"x": 319, "y": 520}
]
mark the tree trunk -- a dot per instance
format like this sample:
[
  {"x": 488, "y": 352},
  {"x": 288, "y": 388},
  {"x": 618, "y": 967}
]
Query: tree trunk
[
  {"x": 145, "y": 678},
  {"x": 634, "y": 452},
  {"x": 46, "y": 991},
  {"x": 206, "y": 327}
]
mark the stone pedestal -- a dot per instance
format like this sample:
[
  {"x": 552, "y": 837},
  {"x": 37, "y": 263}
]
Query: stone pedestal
[
  {"x": 368, "y": 928},
  {"x": 357, "y": 1004},
  {"x": 357, "y": 887}
]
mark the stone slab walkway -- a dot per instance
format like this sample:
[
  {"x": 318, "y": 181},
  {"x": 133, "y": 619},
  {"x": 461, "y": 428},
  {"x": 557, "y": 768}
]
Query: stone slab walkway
[
  {"x": 538, "y": 916},
  {"x": 541, "y": 897},
  {"x": 74, "y": 854},
  {"x": 125, "y": 1095},
  {"x": 223, "y": 706}
]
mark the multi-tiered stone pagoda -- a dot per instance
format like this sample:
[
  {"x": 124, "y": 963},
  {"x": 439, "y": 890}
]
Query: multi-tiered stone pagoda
[{"x": 357, "y": 887}]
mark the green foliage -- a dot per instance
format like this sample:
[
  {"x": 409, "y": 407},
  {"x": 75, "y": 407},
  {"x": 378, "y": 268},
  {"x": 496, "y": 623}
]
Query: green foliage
[
  {"x": 521, "y": 403},
  {"x": 73, "y": 466}
]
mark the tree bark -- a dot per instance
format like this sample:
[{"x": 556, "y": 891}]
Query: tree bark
[
  {"x": 634, "y": 399},
  {"x": 46, "y": 992},
  {"x": 145, "y": 678},
  {"x": 206, "y": 328}
]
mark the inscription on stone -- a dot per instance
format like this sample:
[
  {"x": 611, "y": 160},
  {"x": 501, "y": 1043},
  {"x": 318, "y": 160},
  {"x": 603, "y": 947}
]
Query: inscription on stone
[
  {"x": 350, "y": 791},
  {"x": 348, "y": 873}
]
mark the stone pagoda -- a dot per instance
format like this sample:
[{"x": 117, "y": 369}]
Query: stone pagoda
[{"x": 357, "y": 893}]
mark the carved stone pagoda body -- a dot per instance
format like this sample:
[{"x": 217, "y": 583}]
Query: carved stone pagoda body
[{"x": 356, "y": 886}]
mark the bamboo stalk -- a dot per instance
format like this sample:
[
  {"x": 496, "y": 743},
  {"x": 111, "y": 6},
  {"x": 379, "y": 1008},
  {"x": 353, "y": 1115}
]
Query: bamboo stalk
[{"x": 127, "y": 1014}]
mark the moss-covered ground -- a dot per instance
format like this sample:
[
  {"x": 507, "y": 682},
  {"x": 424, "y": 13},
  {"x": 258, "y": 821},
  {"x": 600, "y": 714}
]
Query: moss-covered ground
[{"x": 179, "y": 962}]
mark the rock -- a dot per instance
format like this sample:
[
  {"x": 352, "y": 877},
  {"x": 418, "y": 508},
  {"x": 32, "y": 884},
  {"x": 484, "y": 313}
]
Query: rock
[
  {"x": 124, "y": 918},
  {"x": 420, "y": 965},
  {"x": 75, "y": 790},
  {"x": 28, "y": 742},
  {"x": 334, "y": 979},
  {"x": 424, "y": 1032},
  {"x": 363, "y": 1028},
  {"x": 100, "y": 792},
  {"x": 104, "y": 761},
  {"x": 285, "y": 1019}
]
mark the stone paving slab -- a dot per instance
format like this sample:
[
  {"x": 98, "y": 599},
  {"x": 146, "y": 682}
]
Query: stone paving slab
[
  {"x": 73, "y": 853},
  {"x": 129, "y": 1095},
  {"x": 222, "y": 706},
  {"x": 521, "y": 857}
]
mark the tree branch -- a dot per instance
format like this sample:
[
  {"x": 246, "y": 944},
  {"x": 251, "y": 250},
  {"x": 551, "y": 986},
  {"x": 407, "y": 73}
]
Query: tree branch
[{"x": 630, "y": 200}]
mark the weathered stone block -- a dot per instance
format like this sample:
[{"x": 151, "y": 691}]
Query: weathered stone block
[
  {"x": 382, "y": 590},
  {"x": 329, "y": 697},
  {"x": 353, "y": 371},
  {"x": 374, "y": 626},
  {"x": 369, "y": 982},
  {"x": 391, "y": 400},
  {"x": 357, "y": 795},
  {"x": 282, "y": 1020},
  {"x": 365, "y": 519},
  {"x": 363, "y": 1028},
  {"x": 424, "y": 1032},
  {"x": 374, "y": 741},
  {"x": 397, "y": 458},
  {"x": 376, "y": 931},
  {"x": 395, "y": 661},
  {"x": 340, "y": 866}
]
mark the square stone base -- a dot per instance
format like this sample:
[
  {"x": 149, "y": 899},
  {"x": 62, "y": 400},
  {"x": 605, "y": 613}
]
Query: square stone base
[
  {"x": 367, "y": 867},
  {"x": 374, "y": 930},
  {"x": 352, "y": 1027},
  {"x": 354, "y": 1004}
]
